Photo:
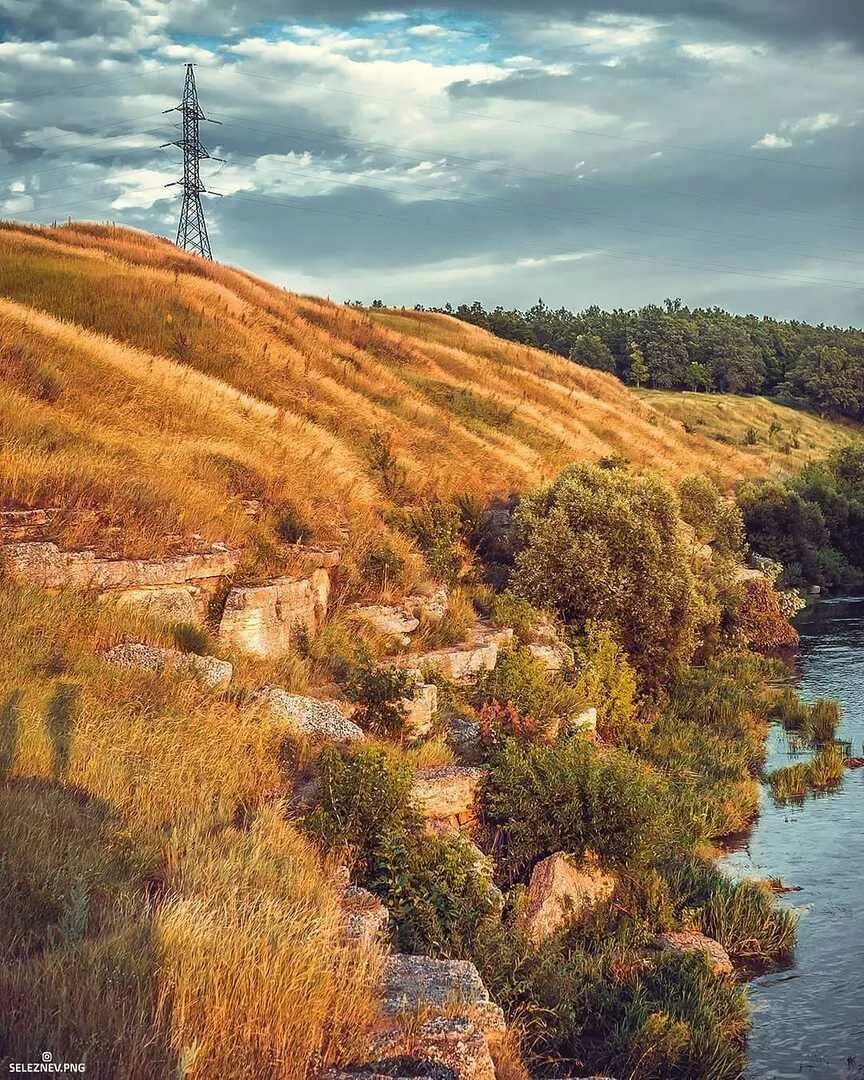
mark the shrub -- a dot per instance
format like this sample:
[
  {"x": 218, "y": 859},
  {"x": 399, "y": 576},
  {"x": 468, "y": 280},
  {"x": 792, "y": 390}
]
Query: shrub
[
  {"x": 362, "y": 799},
  {"x": 435, "y": 893},
  {"x": 536, "y": 693},
  {"x": 386, "y": 468},
  {"x": 382, "y": 565},
  {"x": 570, "y": 797},
  {"x": 607, "y": 681},
  {"x": 380, "y": 694},
  {"x": 190, "y": 638},
  {"x": 602, "y": 544},
  {"x": 517, "y": 613},
  {"x": 436, "y": 529},
  {"x": 761, "y": 618},
  {"x": 715, "y": 518}
]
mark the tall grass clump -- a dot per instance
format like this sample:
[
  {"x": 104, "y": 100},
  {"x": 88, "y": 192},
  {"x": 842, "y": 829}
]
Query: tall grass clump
[{"x": 822, "y": 773}]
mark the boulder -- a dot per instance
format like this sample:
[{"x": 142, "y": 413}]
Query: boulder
[
  {"x": 420, "y": 710},
  {"x": 416, "y": 982},
  {"x": 560, "y": 892},
  {"x": 447, "y": 791},
  {"x": 553, "y": 657},
  {"x": 170, "y": 603},
  {"x": 317, "y": 719},
  {"x": 455, "y": 1045},
  {"x": 691, "y": 941},
  {"x": 264, "y": 620},
  {"x": 585, "y": 723},
  {"x": 23, "y": 525},
  {"x": 213, "y": 673},
  {"x": 478, "y": 654},
  {"x": 309, "y": 557},
  {"x": 465, "y": 738},
  {"x": 364, "y": 918},
  {"x": 391, "y": 620}
]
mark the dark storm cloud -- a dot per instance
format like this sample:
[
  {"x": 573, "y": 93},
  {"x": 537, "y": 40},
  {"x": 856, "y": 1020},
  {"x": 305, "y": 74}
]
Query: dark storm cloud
[
  {"x": 783, "y": 20},
  {"x": 48, "y": 20}
]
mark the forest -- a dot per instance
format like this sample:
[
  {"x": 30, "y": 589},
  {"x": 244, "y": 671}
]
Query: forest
[{"x": 675, "y": 347}]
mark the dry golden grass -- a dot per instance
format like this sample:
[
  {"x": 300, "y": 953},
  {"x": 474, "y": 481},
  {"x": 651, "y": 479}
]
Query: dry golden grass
[
  {"x": 157, "y": 909},
  {"x": 150, "y": 394},
  {"x": 785, "y": 439}
]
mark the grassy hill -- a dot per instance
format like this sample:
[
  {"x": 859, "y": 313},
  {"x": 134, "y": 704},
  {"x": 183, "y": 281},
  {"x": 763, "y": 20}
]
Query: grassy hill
[
  {"x": 148, "y": 394},
  {"x": 780, "y": 439},
  {"x": 159, "y": 911}
]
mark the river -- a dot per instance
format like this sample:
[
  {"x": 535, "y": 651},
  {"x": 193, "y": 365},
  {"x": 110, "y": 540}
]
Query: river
[{"x": 808, "y": 1020}]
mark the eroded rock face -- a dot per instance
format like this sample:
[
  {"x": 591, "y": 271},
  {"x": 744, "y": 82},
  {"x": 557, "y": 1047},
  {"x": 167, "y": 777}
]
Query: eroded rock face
[
  {"x": 553, "y": 657},
  {"x": 691, "y": 941},
  {"x": 208, "y": 670},
  {"x": 478, "y": 654},
  {"x": 315, "y": 718},
  {"x": 264, "y": 620},
  {"x": 392, "y": 620},
  {"x": 420, "y": 710},
  {"x": 170, "y": 603},
  {"x": 560, "y": 892},
  {"x": 411, "y": 982},
  {"x": 585, "y": 723},
  {"x": 447, "y": 791},
  {"x": 46, "y": 566}
]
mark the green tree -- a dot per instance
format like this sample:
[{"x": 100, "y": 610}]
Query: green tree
[
  {"x": 638, "y": 367},
  {"x": 602, "y": 544},
  {"x": 590, "y": 351}
]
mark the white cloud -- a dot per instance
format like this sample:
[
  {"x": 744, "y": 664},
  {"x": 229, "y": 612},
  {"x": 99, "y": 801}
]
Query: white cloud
[
  {"x": 605, "y": 34},
  {"x": 431, "y": 30},
  {"x": 529, "y": 263},
  {"x": 386, "y": 16},
  {"x": 809, "y": 125},
  {"x": 713, "y": 53},
  {"x": 770, "y": 141}
]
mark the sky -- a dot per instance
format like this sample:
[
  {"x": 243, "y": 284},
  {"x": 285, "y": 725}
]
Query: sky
[{"x": 619, "y": 154}]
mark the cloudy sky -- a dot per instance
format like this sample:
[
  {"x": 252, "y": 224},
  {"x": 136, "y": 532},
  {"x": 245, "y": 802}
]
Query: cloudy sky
[{"x": 612, "y": 154}]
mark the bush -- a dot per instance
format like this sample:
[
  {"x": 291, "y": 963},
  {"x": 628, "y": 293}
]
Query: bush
[
  {"x": 521, "y": 616},
  {"x": 602, "y": 544},
  {"x": 362, "y": 800},
  {"x": 716, "y": 519},
  {"x": 436, "y": 529},
  {"x": 570, "y": 797},
  {"x": 527, "y": 685},
  {"x": 761, "y": 618},
  {"x": 380, "y": 694},
  {"x": 434, "y": 891},
  {"x": 607, "y": 681}
]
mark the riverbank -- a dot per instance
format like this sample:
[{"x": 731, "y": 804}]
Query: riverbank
[{"x": 807, "y": 1019}]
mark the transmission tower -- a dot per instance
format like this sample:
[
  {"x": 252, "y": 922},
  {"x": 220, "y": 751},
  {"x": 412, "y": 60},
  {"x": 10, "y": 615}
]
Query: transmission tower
[{"x": 192, "y": 230}]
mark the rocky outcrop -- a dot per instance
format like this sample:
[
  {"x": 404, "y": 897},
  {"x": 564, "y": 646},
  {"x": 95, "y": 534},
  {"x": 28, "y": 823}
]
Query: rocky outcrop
[
  {"x": 465, "y": 738},
  {"x": 265, "y": 620},
  {"x": 412, "y": 982},
  {"x": 420, "y": 710},
  {"x": 314, "y": 718},
  {"x": 554, "y": 657},
  {"x": 561, "y": 891},
  {"x": 585, "y": 723},
  {"x": 364, "y": 917},
  {"x": 17, "y": 526},
  {"x": 447, "y": 792},
  {"x": 391, "y": 620},
  {"x": 691, "y": 941},
  {"x": 213, "y": 673},
  {"x": 46, "y": 566},
  {"x": 478, "y": 654}
]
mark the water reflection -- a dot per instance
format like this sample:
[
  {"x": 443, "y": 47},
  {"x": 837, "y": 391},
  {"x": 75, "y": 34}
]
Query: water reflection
[{"x": 809, "y": 1020}]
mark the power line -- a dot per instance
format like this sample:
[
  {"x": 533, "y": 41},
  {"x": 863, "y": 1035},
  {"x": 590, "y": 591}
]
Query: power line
[{"x": 192, "y": 229}]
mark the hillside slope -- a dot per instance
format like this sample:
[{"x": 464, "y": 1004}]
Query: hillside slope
[{"x": 149, "y": 394}]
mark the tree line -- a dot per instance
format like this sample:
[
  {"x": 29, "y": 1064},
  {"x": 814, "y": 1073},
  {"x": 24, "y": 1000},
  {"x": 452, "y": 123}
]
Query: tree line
[{"x": 675, "y": 347}]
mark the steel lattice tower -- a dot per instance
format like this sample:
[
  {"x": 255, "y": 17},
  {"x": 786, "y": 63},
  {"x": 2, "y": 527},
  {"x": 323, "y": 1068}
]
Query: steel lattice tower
[{"x": 192, "y": 230}]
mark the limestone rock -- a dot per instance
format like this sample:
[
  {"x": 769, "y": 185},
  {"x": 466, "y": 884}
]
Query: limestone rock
[
  {"x": 309, "y": 557},
  {"x": 208, "y": 670},
  {"x": 391, "y": 620},
  {"x": 561, "y": 890},
  {"x": 553, "y": 657},
  {"x": 46, "y": 566},
  {"x": 455, "y": 1044},
  {"x": 170, "y": 603},
  {"x": 264, "y": 620},
  {"x": 446, "y": 791},
  {"x": 433, "y": 607},
  {"x": 24, "y": 525},
  {"x": 585, "y": 723},
  {"x": 420, "y": 709},
  {"x": 411, "y": 982},
  {"x": 315, "y": 718},
  {"x": 691, "y": 941},
  {"x": 478, "y": 654},
  {"x": 364, "y": 918}
]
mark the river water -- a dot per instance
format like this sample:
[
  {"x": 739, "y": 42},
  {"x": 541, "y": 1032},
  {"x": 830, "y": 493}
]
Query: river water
[{"x": 808, "y": 1020}]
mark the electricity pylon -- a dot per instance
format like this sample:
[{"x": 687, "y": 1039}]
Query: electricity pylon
[{"x": 192, "y": 230}]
